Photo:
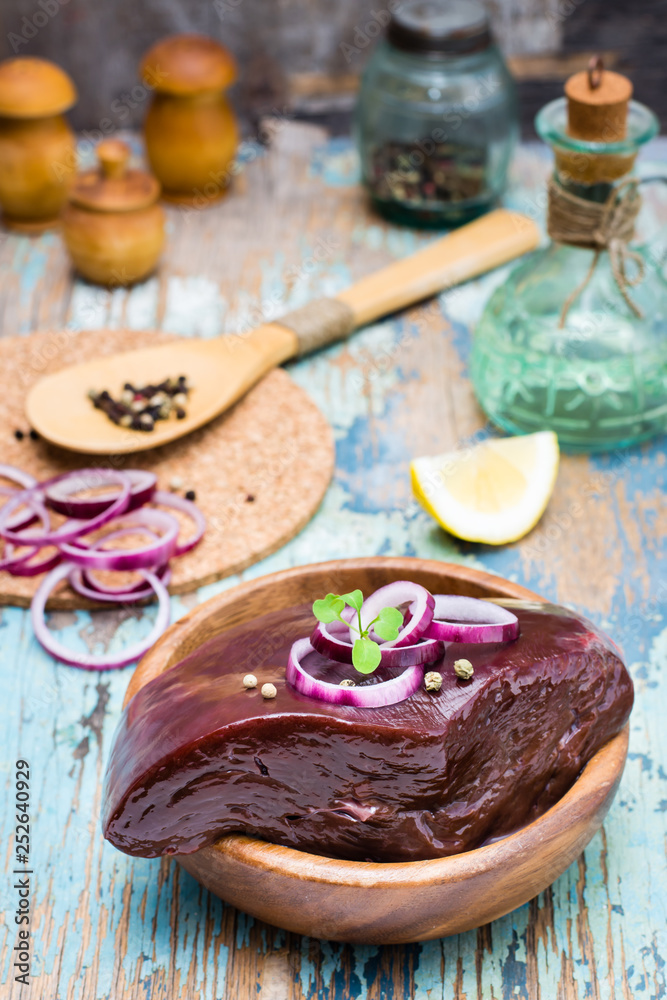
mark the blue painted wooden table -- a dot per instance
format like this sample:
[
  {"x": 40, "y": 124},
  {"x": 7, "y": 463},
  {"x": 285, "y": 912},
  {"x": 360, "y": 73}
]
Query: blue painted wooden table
[{"x": 105, "y": 925}]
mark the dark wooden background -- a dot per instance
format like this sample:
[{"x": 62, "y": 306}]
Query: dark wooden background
[{"x": 292, "y": 54}]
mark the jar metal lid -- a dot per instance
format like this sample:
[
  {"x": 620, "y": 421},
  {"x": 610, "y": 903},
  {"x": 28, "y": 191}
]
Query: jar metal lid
[{"x": 439, "y": 27}]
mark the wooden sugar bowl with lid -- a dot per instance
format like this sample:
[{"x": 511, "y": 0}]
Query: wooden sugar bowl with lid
[
  {"x": 113, "y": 226},
  {"x": 190, "y": 130},
  {"x": 37, "y": 146}
]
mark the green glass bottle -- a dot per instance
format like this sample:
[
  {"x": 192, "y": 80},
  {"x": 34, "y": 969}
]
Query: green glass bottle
[{"x": 575, "y": 341}]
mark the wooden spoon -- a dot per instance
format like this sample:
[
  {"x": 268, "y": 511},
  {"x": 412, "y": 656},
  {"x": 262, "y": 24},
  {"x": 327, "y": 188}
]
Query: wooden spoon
[{"x": 221, "y": 370}]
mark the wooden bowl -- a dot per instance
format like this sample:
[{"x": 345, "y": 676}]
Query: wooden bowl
[{"x": 383, "y": 903}]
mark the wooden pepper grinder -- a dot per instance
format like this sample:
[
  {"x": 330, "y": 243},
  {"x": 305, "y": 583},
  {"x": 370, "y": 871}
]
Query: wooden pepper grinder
[
  {"x": 37, "y": 146},
  {"x": 190, "y": 130},
  {"x": 113, "y": 225},
  {"x": 597, "y": 111}
]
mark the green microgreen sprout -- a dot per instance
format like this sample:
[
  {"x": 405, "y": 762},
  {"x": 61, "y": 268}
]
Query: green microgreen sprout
[{"x": 366, "y": 653}]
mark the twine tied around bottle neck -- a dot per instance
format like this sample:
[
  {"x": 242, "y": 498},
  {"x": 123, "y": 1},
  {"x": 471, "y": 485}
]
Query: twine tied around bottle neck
[{"x": 598, "y": 226}]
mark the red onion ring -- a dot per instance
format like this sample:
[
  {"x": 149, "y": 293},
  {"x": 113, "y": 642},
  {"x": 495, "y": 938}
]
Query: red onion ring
[
  {"x": 88, "y": 586},
  {"x": 186, "y": 507},
  {"x": 26, "y": 568},
  {"x": 71, "y": 529},
  {"x": 156, "y": 553},
  {"x": 89, "y": 581},
  {"x": 109, "y": 661},
  {"x": 339, "y": 648},
  {"x": 58, "y": 495},
  {"x": 18, "y": 476},
  {"x": 468, "y": 619},
  {"x": 13, "y": 563},
  {"x": 393, "y": 595},
  {"x": 21, "y": 519},
  {"x": 365, "y": 696},
  {"x": 79, "y": 581}
]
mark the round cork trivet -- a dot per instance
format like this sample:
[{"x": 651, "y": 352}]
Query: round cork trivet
[
  {"x": 598, "y": 114},
  {"x": 259, "y": 471}
]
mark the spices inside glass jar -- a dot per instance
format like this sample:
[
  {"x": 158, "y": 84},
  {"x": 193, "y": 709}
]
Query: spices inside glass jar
[
  {"x": 448, "y": 173},
  {"x": 437, "y": 115}
]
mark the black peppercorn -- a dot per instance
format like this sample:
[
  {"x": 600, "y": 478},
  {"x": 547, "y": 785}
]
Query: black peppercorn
[
  {"x": 140, "y": 407},
  {"x": 18, "y": 435},
  {"x": 34, "y": 435},
  {"x": 191, "y": 495}
]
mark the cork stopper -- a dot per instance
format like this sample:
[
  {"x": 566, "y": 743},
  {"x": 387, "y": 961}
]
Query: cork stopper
[{"x": 597, "y": 104}]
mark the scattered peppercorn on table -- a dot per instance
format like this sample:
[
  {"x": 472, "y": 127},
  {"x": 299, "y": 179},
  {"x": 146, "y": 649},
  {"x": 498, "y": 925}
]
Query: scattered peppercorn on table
[{"x": 295, "y": 226}]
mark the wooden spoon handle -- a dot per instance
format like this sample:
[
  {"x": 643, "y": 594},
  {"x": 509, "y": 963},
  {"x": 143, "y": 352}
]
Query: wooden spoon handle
[
  {"x": 473, "y": 249},
  {"x": 489, "y": 241}
]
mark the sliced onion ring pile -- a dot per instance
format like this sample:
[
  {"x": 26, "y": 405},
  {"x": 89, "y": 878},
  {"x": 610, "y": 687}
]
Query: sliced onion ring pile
[
  {"x": 431, "y": 623},
  {"x": 115, "y": 502}
]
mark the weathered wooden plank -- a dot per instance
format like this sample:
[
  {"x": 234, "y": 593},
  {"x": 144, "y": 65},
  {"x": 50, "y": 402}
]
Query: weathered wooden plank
[{"x": 110, "y": 926}]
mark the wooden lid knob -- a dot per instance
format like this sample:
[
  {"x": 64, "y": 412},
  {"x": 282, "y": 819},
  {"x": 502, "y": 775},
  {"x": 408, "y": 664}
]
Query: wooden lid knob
[
  {"x": 597, "y": 104},
  {"x": 114, "y": 186},
  {"x": 113, "y": 156}
]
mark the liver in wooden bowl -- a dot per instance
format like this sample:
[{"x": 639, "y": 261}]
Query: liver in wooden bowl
[{"x": 496, "y": 763}]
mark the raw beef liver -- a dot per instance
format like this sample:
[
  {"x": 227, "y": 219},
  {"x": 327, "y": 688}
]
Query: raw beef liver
[{"x": 197, "y": 756}]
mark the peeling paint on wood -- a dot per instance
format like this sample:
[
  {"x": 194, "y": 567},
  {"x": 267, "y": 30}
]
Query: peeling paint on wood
[{"x": 108, "y": 926}]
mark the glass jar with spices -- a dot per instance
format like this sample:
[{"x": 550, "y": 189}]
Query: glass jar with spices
[{"x": 436, "y": 118}]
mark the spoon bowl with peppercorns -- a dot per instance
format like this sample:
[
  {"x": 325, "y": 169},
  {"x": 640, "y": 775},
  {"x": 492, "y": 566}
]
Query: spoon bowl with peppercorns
[
  {"x": 80, "y": 407},
  {"x": 390, "y": 824}
]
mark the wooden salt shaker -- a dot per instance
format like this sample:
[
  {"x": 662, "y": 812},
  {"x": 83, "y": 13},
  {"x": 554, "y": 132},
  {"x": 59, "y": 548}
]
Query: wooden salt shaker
[
  {"x": 597, "y": 111},
  {"x": 190, "y": 130},
  {"x": 113, "y": 226},
  {"x": 37, "y": 146}
]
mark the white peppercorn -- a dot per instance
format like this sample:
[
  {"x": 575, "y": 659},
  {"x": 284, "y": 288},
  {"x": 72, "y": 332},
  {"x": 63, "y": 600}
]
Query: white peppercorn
[{"x": 464, "y": 669}]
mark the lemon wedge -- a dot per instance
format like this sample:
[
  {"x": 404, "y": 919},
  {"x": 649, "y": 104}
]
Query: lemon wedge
[{"x": 492, "y": 492}]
